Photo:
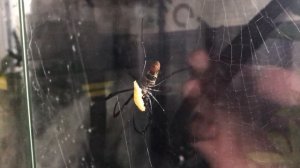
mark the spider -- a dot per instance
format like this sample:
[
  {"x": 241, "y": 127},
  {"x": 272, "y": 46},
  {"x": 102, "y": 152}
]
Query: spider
[
  {"x": 142, "y": 94},
  {"x": 143, "y": 90}
]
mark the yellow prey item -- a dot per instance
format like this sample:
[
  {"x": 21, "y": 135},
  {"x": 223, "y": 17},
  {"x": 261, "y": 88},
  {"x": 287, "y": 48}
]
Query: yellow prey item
[{"x": 138, "y": 97}]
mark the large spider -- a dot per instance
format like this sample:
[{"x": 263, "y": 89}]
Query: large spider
[{"x": 143, "y": 90}]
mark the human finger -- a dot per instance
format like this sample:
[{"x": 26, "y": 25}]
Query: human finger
[{"x": 278, "y": 85}]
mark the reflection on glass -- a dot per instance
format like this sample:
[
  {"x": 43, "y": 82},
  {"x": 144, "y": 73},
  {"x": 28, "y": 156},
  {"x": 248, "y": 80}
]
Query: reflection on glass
[
  {"x": 225, "y": 94},
  {"x": 14, "y": 138}
]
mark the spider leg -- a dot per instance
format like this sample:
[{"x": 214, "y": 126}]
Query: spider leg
[
  {"x": 143, "y": 46},
  {"x": 116, "y": 114},
  {"x": 144, "y": 130},
  {"x": 154, "y": 90},
  {"x": 170, "y": 75},
  {"x": 153, "y": 97},
  {"x": 150, "y": 107},
  {"x": 117, "y": 92}
]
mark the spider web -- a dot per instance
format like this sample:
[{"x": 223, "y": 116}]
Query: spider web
[
  {"x": 247, "y": 43},
  {"x": 239, "y": 34}
]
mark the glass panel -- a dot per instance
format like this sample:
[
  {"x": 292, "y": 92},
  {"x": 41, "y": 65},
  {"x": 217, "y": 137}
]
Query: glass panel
[
  {"x": 14, "y": 137},
  {"x": 218, "y": 82}
]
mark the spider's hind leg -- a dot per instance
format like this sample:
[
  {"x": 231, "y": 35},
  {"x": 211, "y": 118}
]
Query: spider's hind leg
[
  {"x": 148, "y": 105},
  {"x": 116, "y": 113}
]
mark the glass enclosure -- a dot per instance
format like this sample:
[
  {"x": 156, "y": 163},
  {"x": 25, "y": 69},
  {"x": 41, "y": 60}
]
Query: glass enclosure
[{"x": 150, "y": 83}]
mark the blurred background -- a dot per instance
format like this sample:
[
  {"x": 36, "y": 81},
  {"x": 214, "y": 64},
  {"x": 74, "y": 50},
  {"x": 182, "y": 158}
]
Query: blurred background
[{"x": 80, "y": 51}]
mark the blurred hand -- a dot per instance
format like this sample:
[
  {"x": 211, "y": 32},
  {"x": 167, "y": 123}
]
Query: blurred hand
[{"x": 226, "y": 137}]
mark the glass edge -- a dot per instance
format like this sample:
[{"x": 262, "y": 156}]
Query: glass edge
[{"x": 26, "y": 81}]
